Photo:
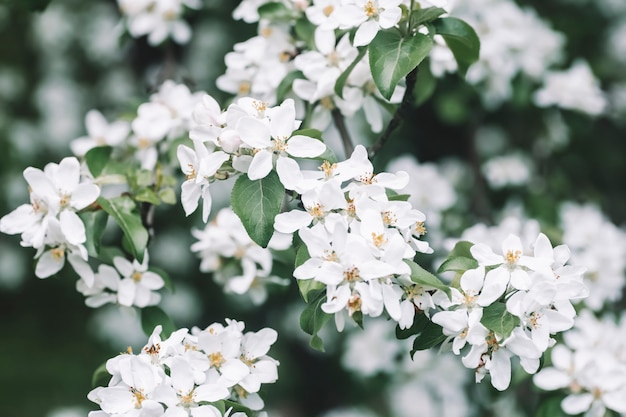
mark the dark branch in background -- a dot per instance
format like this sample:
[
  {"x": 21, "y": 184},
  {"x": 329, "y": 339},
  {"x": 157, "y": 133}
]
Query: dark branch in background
[
  {"x": 401, "y": 112},
  {"x": 480, "y": 202},
  {"x": 339, "y": 121},
  {"x": 170, "y": 64}
]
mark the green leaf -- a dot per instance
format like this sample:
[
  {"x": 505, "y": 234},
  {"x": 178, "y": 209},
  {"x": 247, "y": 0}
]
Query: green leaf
[
  {"x": 310, "y": 132},
  {"x": 306, "y": 285},
  {"x": 144, "y": 178},
  {"x": 431, "y": 336},
  {"x": 147, "y": 195},
  {"x": 275, "y": 11},
  {"x": 97, "y": 158},
  {"x": 285, "y": 85},
  {"x": 497, "y": 319},
  {"x": 257, "y": 203},
  {"x": 419, "y": 324},
  {"x": 425, "y": 86},
  {"x": 461, "y": 39},
  {"x": 95, "y": 223},
  {"x": 392, "y": 57},
  {"x": 421, "y": 16},
  {"x": 152, "y": 317},
  {"x": 313, "y": 319},
  {"x": 551, "y": 408},
  {"x": 399, "y": 197},
  {"x": 422, "y": 277},
  {"x": 101, "y": 376},
  {"x": 124, "y": 211},
  {"x": 167, "y": 195},
  {"x": 305, "y": 31},
  {"x": 459, "y": 259},
  {"x": 341, "y": 81}
]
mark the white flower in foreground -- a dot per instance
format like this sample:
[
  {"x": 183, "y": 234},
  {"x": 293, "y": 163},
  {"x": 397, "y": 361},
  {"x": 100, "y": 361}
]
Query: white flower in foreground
[
  {"x": 511, "y": 268},
  {"x": 369, "y": 16},
  {"x": 199, "y": 166},
  {"x": 273, "y": 140},
  {"x": 138, "y": 284}
]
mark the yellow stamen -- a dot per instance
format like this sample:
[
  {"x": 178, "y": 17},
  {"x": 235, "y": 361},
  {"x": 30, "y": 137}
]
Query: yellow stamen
[
  {"x": 370, "y": 9},
  {"x": 57, "y": 254},
  {"x": 192, "y": 172},
  {"x": 139, "y": 396},
  {"x": 217, "y": 359},
  {"x": 328, "y": 10},
  {"x": 354, "y": 304},
  {"x": 327, "y": 168},
  {"x": 244, "y": 88},
  {"x": 136, "y": 276},
  {"x": 512, "y": 257},
  {"x": 352, "y": 274},
  {"x": 419, "y": 229},
  {"x": 379, "y": 239},
  {"x": 316, "y": 211}
]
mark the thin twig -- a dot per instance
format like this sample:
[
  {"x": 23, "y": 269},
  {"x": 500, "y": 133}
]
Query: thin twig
[
  {"x": 401, "y": 112},
  {"x": 348, "y": 146}
]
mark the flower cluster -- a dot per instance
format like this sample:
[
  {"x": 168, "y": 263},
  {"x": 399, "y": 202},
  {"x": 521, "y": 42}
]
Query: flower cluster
[
  {"x": 158, "y": 19},
  {"x": 50, "y": 223},
  {"x": 357, "y": 238},
  {"x": 166, "y": 116},
  {"x": 590, "y": 366},
  {"x": 189, "y": 373},
  {"x": 238, "y": 264},
  {"x": 249, "y": 137},
  {"x": 258, "y": 66},
  {"x": 529, "y": 296},
  {"x": 605, "y": 260},
  {"x": 128, "y": 284}
]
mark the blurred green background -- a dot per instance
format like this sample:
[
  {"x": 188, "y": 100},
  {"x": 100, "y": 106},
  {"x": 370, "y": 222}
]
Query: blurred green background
[{"x": 61, "y": 59}]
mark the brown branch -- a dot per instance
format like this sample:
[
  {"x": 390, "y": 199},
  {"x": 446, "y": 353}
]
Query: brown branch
[
  {"x": 339, "y": 121},
  {"x": 401, "y": 113}
]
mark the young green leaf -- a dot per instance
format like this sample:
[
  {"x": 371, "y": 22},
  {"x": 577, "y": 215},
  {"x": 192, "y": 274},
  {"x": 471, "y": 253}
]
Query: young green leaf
[
  {"x": 392, "y": 57},
  {"x": 341, "y": 81},
  {"x": 274, "y": 11},
  {"x": 431, "y": 336},
  {"x": 97, "y": 158},
  {"x": 95, "y": 223},
  {"x": 428, "y": 14},
  {"x": 313, "y": 319},
  {"x": 124, "y": 211},
  {"x": 101, "y": 376},
  {"x": 257, "y": 203},
  {"x": 285, "y": 85},
  {"x": 152, "y": 317},
  {"x": 422, "y": 277},
  {"x": 425, "y": 86},
  {"x": 497, "y": 319},
  {"x": 461, "y": 39},
  {"x": 305, "y": 31},
  {"x": 460, "y": 258}
]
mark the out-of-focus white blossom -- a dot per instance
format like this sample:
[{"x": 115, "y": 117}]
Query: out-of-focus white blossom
[
  {"x": 507, "y": 170},
  {"x": 573, "y": 89}
]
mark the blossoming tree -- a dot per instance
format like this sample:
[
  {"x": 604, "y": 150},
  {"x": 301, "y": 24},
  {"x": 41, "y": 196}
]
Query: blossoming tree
[{"x": 306, "y": 193}]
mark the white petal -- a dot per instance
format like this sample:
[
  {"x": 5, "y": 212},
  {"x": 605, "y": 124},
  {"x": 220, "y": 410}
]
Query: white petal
[
  {"x": 305, "y": 147},
  {"x": 49, "y": 264},
  {"x": 261, "y": 165}
]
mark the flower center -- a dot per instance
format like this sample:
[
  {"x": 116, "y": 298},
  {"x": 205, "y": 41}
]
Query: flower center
[
  {"x": 192, "y": 172},
  {"x": 139, "y": 396},
  {"x": 244, "y": 88},
  {"x": 57, "y": 254},
  {"x": 354, "y": 304},
  {"x": 419, "y": 229},
  {"x": 352, "y": 274},
  {"x": 389, "y": 218},
  {"x": 136, "y": 276},
  {"x": 328, "y": 10},
  {"x": 316, "y": 211},
  {"x": 370, "y": 10},
  {"x": 379, "y": 239},
  {"x": 512, "y": 257},
  {"x": 217, "y": 359},
  {"x": 327, "y": 168},
  {"x": 327, "y": 102}
]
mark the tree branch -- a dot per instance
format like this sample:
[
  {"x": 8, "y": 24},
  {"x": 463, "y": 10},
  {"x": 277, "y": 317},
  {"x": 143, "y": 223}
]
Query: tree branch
[
  {"x": 339, "y": 121},
  {"x": 401, "y": 112}
]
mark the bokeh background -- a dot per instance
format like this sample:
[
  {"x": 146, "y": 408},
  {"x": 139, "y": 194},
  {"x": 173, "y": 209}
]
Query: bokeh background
[{"x": 61, "y": 58}]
